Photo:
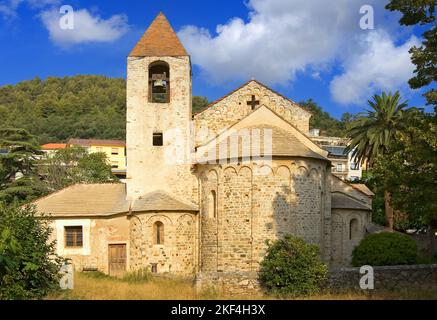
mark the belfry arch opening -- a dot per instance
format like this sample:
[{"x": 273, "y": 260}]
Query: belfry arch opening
[{"x": 159, "y": 82}]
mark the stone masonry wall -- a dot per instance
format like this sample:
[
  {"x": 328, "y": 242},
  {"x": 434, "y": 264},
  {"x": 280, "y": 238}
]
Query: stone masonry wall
[
  {"x": 253, "y": 208},
  {"x": 387, "y": 277},
  {"x": 344, "y": 279},
  {"x": 167, "y": 167},
  {"x": 177, "y": 254},
  {"x": 234, "y": 107}
]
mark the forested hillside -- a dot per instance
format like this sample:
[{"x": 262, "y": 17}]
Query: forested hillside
[{"x": 57, "y": 109}]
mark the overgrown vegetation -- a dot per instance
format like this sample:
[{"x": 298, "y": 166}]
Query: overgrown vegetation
[
  {"x": 28, "y": 263},
  {"x": 292, "y": 267},
  {"x": 385, "y": 249},
  {"x": 138, "y": 276},
  {"x": 98, "y": 287}
]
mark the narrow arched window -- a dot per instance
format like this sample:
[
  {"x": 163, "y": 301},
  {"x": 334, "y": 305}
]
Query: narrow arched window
[
  {"x": 353, "y": 229},
  {"x": 158, "y": 232},
  {"x": 212, "y": 204},
  {"x": 159, "y": 82}
]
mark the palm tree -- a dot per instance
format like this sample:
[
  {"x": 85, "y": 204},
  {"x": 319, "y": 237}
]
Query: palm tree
[{"x": 373, "y": 132}]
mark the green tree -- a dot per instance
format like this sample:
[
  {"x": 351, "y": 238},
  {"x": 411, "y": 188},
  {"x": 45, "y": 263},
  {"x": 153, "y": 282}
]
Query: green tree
[
  {"x": 18, "y": 178},
  {"x": 322, "y": 120},
  {"x": 199, "y": 103},
  {"x": 374, "y": 131},
  {"x": 29, "y": 266},
  {"x": 421, "y": 12},
  {"x": 74, "y": 165},
  {"x": 408, "y": 170}
]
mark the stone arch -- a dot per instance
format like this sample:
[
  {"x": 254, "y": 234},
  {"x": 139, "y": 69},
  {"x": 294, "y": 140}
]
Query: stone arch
[
  {"x": 159, "y": 82},
  {"x": 283, "y": 171},
  {"x": 230, "y": 171},
  {"x": 301, "y": 172},
  {"x": 245, "y": 171},
  {"x": 160, "y": 217},
  {"x": 212, "y": 175}
]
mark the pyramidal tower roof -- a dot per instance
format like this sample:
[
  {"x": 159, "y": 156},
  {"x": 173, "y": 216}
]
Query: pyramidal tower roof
[{"x": 159, "y": 40}]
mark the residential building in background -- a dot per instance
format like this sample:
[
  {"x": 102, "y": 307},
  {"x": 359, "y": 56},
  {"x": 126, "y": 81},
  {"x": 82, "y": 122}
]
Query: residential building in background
[
  {"x": 50, "y": 148},
  {"x": 343, "y": 165},
  {"x": 115, "y": 151}
]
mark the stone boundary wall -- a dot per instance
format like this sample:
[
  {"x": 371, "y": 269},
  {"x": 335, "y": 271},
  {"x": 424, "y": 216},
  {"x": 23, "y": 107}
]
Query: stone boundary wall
[
  {"x": 229, "y": 283},
  {"x": 386, "y": 277}
]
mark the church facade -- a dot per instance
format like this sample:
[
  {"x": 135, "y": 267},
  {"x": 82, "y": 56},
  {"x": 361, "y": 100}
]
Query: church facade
[{"x": 205, "y": 191}]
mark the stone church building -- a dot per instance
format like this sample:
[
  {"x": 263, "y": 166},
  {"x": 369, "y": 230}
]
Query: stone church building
[{"x": 193, "y": 203}]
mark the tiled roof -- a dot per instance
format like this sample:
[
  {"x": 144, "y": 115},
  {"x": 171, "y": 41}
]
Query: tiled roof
[
  {"x": 159, "y": 40},
  {"x": 86, "y": 200},
  {"x": 161, "y": 201},
  {"x": 342, "y": 201},
  {"x": 363, "y": 188},
  {"x": 53, "y": 146},
  {"x": 283, "y": 144},
  {"x": 101, "y": 200},
  {"x": 96, "y": 142}
]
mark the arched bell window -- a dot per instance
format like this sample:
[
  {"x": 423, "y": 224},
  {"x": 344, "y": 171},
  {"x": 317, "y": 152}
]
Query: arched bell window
[{"x": 159, "y": 82}]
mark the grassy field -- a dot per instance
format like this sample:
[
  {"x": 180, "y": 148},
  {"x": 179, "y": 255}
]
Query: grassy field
[{"x": 100, "y": 287}]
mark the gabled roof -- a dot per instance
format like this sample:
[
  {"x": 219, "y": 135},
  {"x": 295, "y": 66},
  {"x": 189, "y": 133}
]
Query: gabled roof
[
  {"x": 96, "y": 142},
  {"x": 287, "y": 140},
  {"x": 85, "y": 200},
  {"x": 244, "y": 85},
  {"x": 159, "y": 40},
  {"x": 342, "y": 201},
  {"x": 161, "y": 201}
]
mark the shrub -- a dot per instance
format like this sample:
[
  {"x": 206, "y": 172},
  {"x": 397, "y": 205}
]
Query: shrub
[
  {"x": 385, "y": 249},
  {"x": 292, "y": 267},
  {"x": 29, "y": 268}
]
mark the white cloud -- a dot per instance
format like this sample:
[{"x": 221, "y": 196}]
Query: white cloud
[
  {"x": 8, "y": 8},
  {"x": 285, "y": 37},
  {"x": 87, "y": 28},
  {"x": 379, "y": 66}
]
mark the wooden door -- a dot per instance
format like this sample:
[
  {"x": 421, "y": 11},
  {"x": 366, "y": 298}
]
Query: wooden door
[{"x": 117, "y": 259}]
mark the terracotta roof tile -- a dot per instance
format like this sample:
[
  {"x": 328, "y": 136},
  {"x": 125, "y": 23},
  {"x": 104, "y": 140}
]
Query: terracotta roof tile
[
  {"x": 159, "y": 40},
  {"x": 161, "y": 201},
  {"x": 85, "y": 200},
  {"x": 342, "y": 201},
  {"x": 53, "y": 146}
]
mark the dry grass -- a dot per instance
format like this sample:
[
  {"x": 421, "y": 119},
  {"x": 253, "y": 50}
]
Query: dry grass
[{"x": 100, "y": 287}]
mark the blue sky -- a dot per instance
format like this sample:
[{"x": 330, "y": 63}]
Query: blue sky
[{"x": 302, "y": 48}]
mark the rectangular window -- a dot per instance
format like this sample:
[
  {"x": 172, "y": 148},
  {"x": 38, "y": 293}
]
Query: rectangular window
[
  {"x": 74, "y": 237},
  {"x": 158, "y": 139},
  {"x": 339, "y": 167},
  {"x": 114, "y": 151}
]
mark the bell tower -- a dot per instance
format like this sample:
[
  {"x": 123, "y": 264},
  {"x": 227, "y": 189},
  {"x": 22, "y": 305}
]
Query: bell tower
[{"x": 159, "y": 115}]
